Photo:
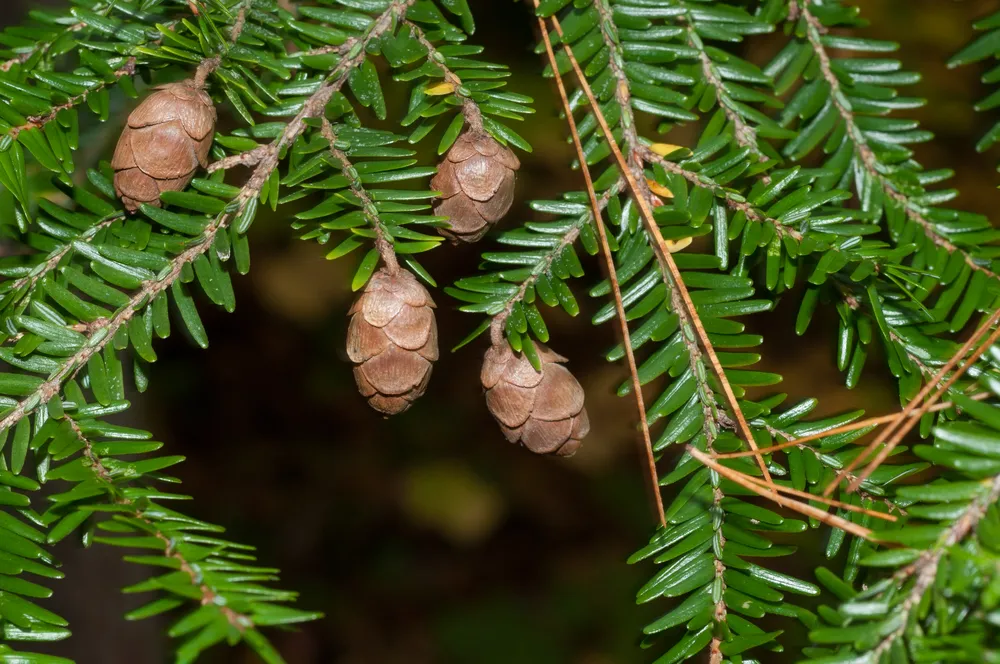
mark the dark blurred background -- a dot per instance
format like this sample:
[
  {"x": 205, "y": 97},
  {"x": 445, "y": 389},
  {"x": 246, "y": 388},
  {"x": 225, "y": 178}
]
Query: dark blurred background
[{"x": 426, "y": 537}]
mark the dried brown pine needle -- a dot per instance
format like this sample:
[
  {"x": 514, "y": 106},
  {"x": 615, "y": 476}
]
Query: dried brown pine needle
[
  {"x": 854, "y": 426},
  {"x": 910, "y": 408},
  {"x": 906, "y": 426},
  {"x": 823, "y": 499},
  {"x": 767, "y": 491},
  {"x": 609, "y": 263}
]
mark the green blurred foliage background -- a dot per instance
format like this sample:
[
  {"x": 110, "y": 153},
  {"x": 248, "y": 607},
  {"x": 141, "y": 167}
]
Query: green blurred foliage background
[{"x": 427, "y": 538}]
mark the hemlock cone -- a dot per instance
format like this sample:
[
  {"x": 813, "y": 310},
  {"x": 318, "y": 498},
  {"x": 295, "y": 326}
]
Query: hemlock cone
[
  {"x": 476, "y": 181},
  {"x": 541, "y": 409},
  {"x": 392, "y": 339},
  {"x": 167, "y": 137}
]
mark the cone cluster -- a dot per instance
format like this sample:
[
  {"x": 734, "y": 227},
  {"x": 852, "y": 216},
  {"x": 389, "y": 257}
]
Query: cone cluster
[
  {"x": 543, "y": 410},
  {"x": 166, "y": 139},
  {"x": 476, "y": 181},
  {"x": 392, "y": 340}
]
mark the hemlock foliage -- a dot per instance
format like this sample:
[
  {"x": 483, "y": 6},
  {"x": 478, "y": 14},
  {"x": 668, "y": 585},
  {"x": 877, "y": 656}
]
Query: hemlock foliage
[{"x": 801, "y": 183}]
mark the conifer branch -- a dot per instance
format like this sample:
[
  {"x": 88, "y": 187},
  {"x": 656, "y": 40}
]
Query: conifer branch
[
  {"x": 869, "y": 160},
  {"x": 679, "y": 295},
  {"x": 383, "y": 242},
  {"x": 128, "y": 68},
  {"x": 609, "y": 263},
  {"x": 470, "y": 109},
  {"x": 825, "y": 460},
  {"x": 733, "y": 201},
  {"x": 103, "y": 333},
  {"x": 95, "y": 279},
  {"x": 623, "y": 93},
  {"x": 240, "y": 22},
  {"x": 906, "y": 426},
  {"x": 30, "y": 281},
  {"x": 209, "y": 65},
  {"x": 40, "y": 47},
  {"x": 925, "y": 569},
  {"x": 824, "y": 500},
  {"x": 632, "y": 171},
  {"x": 207, "y": 594},
  {"x": 248, "y": 158},
  {"x": 925, "y": 370},
  {"x": 894, "y": 336},
  {"x": 323, "y": 50},
  {"x": 267, "y": 156},
  {"x": 544, "y": 265},
  {"x": 766, "y": 491},
  {"x": 745, "y": 135},
  {"x": 38, "y": 122}
]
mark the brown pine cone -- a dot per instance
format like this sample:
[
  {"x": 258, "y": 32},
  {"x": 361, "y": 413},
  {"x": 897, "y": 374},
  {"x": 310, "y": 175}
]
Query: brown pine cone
[
  {"x": 392, "y": 340},
  {"x": 543, "y": 410},
  {"x": 476, "y": 181},
  {"x": 166, "y": 139}
]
